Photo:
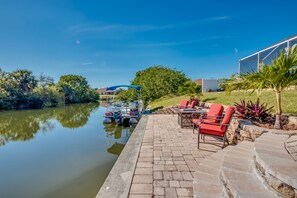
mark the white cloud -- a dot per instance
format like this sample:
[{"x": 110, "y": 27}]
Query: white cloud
[
  {"x": 175, "y": 43},
  {"x": 87, "y": 63},
  {"x": 97, "y": 27}
]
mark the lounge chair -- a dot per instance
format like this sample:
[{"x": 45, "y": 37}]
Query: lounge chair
[
  {"x": 216, "y": 129},
  {"x": 213, "y": 116}
]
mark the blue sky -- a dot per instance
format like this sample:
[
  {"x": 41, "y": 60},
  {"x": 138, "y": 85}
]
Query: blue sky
[{"x": 108, "y": 41}]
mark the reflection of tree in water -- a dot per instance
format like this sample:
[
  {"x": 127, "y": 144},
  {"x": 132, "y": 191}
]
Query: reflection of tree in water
[
  {"x": 116, "y": 148},
  {"x": 117, "y": 137},
  {"x": 75, "y": 116},
  {"x": 23, "y": 125}
]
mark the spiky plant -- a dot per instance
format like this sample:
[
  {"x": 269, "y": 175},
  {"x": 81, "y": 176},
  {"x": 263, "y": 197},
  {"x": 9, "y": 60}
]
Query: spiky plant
[
  {"x": 241, "y": 109},
  {"x": 258, "y": 111}
]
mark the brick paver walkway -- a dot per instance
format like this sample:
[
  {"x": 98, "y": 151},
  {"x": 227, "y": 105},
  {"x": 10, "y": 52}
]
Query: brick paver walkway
[{"x": 168, "y": 158}]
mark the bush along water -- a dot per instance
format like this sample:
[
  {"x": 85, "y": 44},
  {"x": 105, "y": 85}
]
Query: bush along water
[{"x": 20, "y": 89}]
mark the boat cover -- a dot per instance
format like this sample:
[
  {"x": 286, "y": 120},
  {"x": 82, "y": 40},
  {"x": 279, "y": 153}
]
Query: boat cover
[{"x": 129, "y": 86}]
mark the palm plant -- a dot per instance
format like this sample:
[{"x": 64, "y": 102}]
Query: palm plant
[{"x": 279, "y": 75}]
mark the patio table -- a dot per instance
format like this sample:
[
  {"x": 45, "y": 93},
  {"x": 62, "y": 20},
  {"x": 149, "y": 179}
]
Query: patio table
[{"x": 185, "y": 116}]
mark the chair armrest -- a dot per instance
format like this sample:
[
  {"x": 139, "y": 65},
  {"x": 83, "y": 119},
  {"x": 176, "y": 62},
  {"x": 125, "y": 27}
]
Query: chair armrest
[
  {"x": 210, "y": 123},
  {"x": 218, "y": 118},
  {"x": 213, "y": 123},
  {"x": 205, "y": 116}
]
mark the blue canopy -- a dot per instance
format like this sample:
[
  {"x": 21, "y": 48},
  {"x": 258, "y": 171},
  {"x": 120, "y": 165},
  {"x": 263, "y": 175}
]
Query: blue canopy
[{"x": 129, "y": 86}]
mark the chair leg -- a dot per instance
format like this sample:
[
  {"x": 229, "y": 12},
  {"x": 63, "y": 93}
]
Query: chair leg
[
  {"x": 224, "y": 140},
  {"x": 193, "y": 127},
  {"x": 198, "y": 137}
]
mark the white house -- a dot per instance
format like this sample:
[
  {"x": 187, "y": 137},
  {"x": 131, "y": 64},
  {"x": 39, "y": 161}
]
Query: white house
[{"x": 208, "y": 84}]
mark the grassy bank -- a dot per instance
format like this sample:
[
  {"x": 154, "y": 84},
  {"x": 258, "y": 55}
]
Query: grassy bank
[
  {"x": 289, "y": 99},
  {"x": 105, "y": 97}
]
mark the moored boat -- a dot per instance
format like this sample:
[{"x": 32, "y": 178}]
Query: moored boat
[{"x": 124, "y": 113}]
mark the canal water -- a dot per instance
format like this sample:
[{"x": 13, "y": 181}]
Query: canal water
[{"x": 57, "y": 152}]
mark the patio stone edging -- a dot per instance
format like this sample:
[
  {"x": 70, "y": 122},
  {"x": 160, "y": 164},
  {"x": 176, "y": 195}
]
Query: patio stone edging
[{"x": 118, "y": 181}]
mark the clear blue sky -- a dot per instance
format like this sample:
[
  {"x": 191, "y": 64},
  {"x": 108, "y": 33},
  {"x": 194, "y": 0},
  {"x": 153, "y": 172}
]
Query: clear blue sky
[{"x": 108, "y": 41}]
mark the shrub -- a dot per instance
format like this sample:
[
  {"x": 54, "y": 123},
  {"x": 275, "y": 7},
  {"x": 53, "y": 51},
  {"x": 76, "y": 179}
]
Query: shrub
[
  {"x": 241, "y": 109},
  {"x": 258, "y": 112},
  {"x": 253, "y": 110}
]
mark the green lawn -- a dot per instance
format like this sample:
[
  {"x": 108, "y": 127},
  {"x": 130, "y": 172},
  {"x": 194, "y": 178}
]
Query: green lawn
[
  {"x": 289, "y": 99},
  {"x": 104, "y": 97}
]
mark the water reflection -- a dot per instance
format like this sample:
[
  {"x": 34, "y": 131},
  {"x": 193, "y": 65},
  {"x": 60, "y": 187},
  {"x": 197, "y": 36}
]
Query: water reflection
[
  {"x": 23, "y": 125},
  {"x": 70, "y": 151},
  {"x": 75, "y": 116},
  {"x": 117, "y": 137}
]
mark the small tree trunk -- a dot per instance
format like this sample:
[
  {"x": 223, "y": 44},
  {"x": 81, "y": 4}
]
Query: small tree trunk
[{"x": 278, "y": 116}]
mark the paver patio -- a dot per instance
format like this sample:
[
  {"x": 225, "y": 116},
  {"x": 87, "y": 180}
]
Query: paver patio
[{"x": 168, "y": 158}]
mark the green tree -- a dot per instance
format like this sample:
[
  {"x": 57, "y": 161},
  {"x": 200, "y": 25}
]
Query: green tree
[
  {"x": 17, "y": 90},
  {"x": 49, "y": 96},
  {"x": 158, "y": 81},
  {"x": 24, "y": 80},
  {"x": 127, "y": 95},
  {"x": 189, "y": 87},
  {"x": 76, "y": 89},
  {"x": 45, "y": 81},
  {"x": 20, "y": 89},
  {"x": 279, "y": 75}
]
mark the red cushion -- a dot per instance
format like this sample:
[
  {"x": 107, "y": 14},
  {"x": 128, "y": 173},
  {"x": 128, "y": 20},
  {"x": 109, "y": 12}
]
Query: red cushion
[
  {"x": 215, "y": 110},
  {"x": 193, "y": 104},
  {"x": 211, "y": 129},
  {"x": 183, "y": 103},
  {"x": 108, "y": 114},
  {"x": 228, "y": 115},
  {"x": 196, "y": 121},
  {"x": 216, "y": 133}
]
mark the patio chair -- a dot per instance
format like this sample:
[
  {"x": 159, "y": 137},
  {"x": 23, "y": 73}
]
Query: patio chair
[
  {"x": 183, "y": 104},
  {"x": 193, "y": 104},
  {"x": 216, "y": 129},
  {"x": 213, "y": 116}
]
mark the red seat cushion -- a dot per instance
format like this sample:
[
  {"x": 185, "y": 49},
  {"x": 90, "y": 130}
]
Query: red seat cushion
[
  {"x": 196, "y": 121},
  {"x": 215, "y": 133},
  {"x": 211, "y": 129}
]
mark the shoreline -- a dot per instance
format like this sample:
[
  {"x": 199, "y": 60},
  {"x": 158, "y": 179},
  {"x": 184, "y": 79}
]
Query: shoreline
[{"x": 119, "y": 179}]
